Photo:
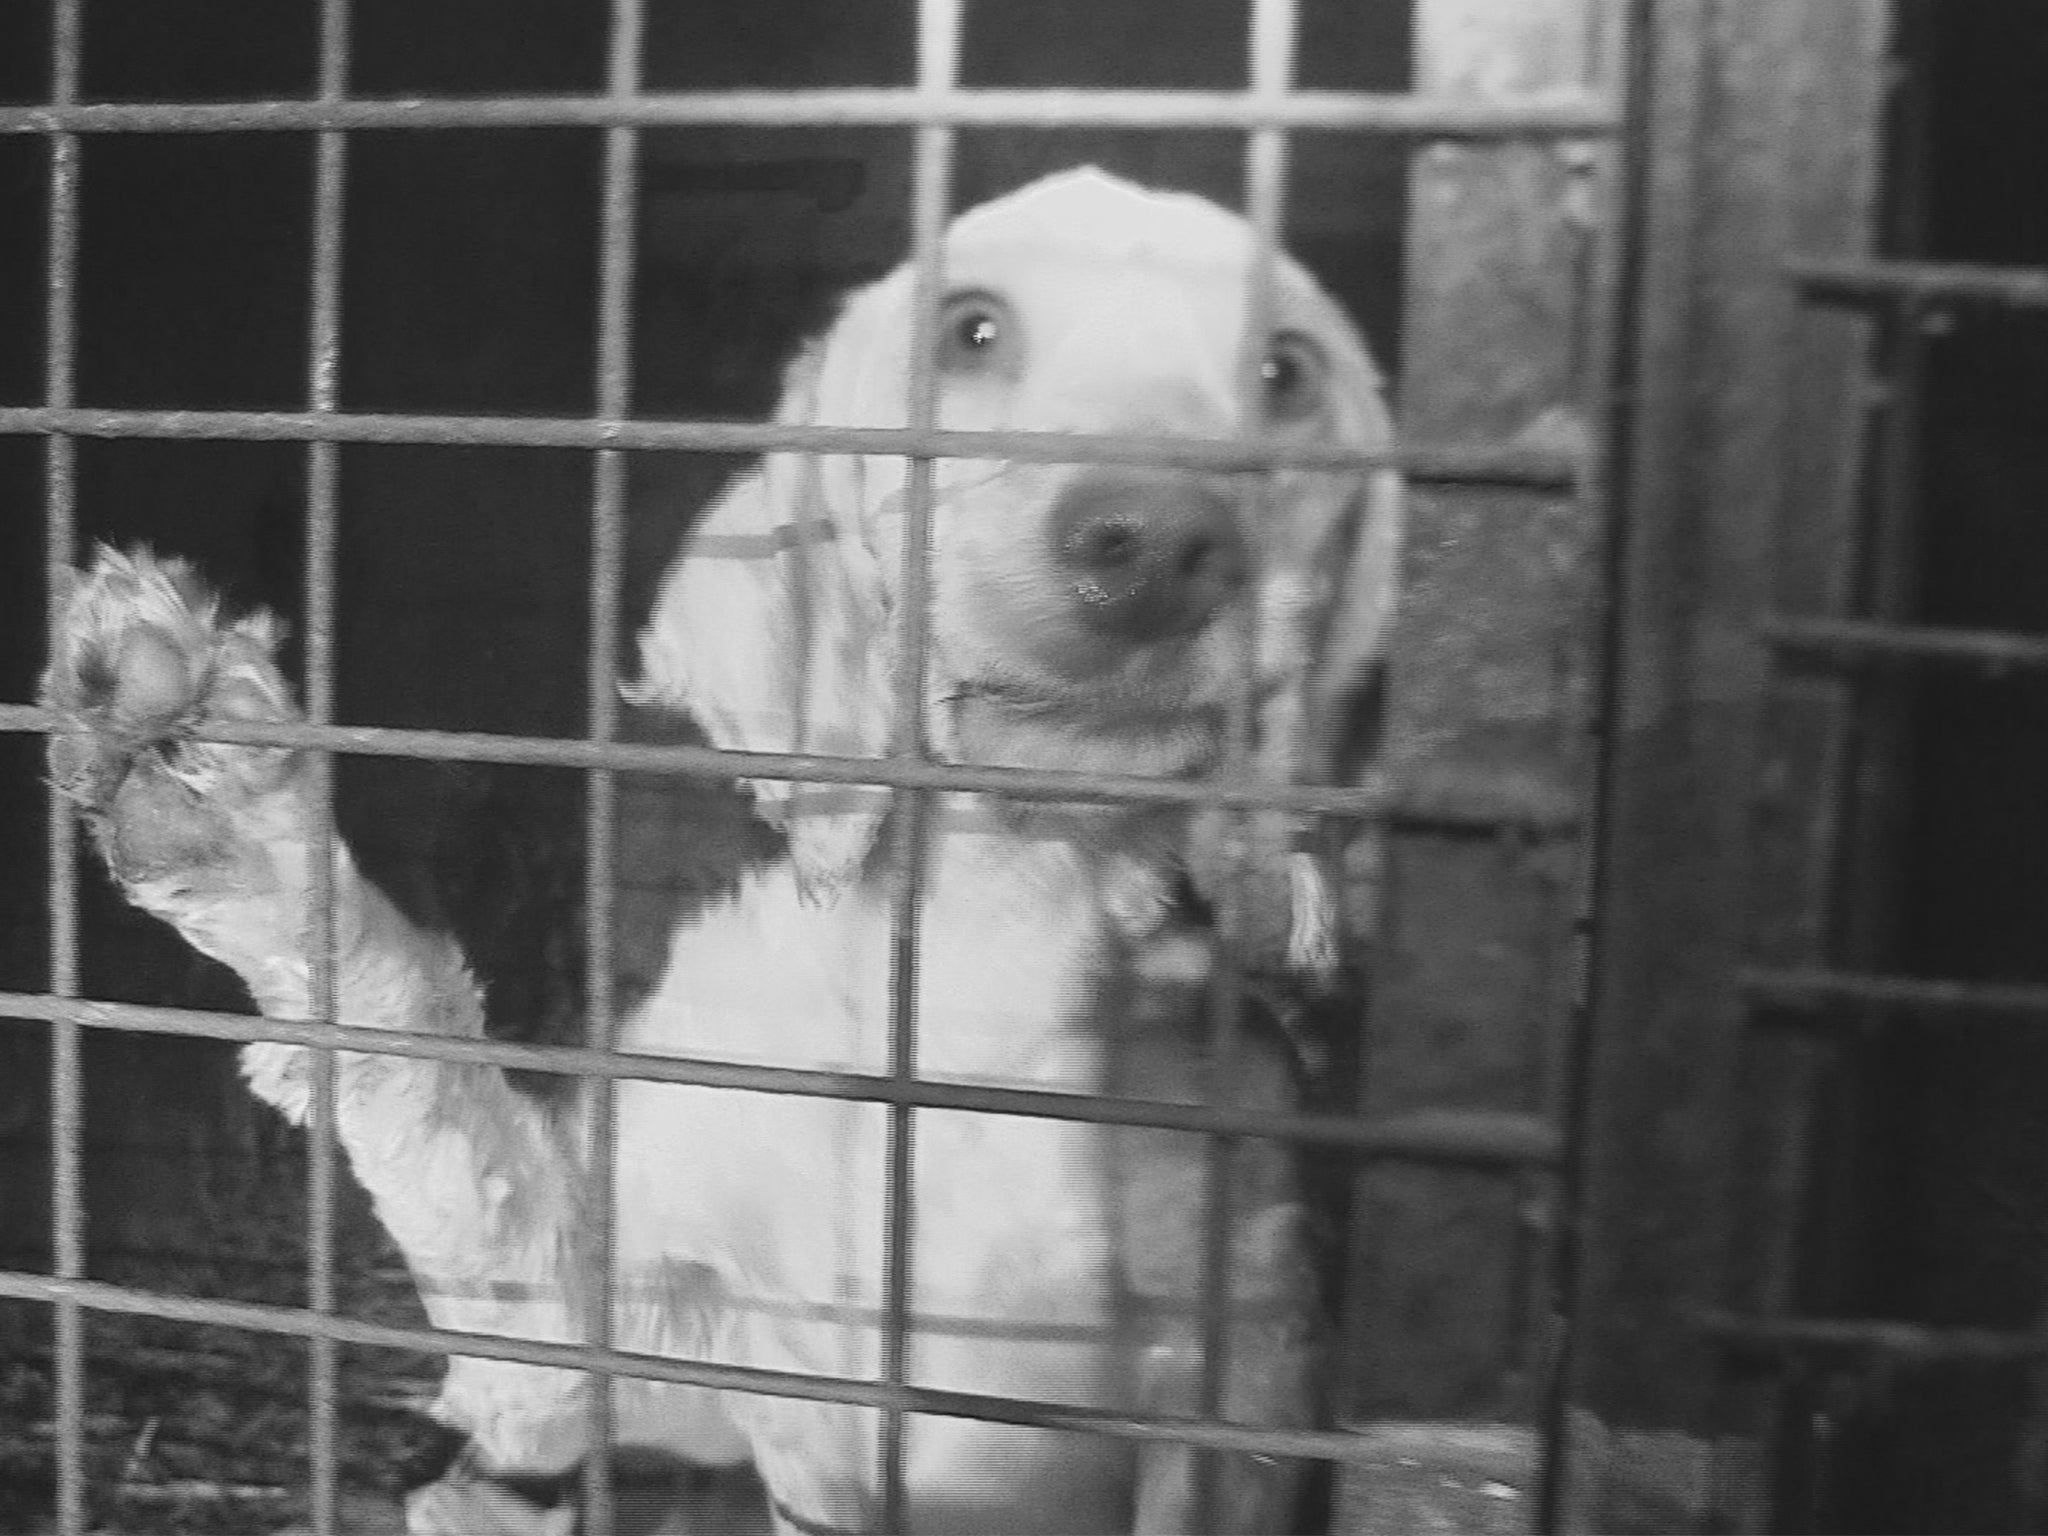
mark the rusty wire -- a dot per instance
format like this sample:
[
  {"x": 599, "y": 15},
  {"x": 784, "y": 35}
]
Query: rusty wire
[
  {"x": 1417, "y": 797},
  {"x": 994, "y": 1408},
  {"x": 938, "y": 65},
  {"x": 936, "y": 106},
  {"x": 1566, "y": 114},
  {"x": 1878, "y": 640},
  {"x": 1490, "y": 464},
  {"x": 67, "y": 1067},
  {"x": 1474, "y": 1138},
  {"x": 611, "y": 398},
  {"x": 1918, "y": 283},
  {"x": 1819, "y": 991}
]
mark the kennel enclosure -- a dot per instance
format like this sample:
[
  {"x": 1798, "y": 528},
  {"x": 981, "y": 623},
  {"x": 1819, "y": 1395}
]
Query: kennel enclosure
[{"x": 376, "y": 308}]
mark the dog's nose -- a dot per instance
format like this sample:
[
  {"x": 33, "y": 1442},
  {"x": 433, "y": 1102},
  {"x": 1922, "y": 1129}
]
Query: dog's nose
[{"x": 1148, "y": 556}]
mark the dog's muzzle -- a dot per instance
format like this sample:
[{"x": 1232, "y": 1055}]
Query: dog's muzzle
[{"x": 1148, "y": 556}]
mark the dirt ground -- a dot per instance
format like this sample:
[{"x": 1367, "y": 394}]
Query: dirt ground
[{"x": 198, "y": 1431}]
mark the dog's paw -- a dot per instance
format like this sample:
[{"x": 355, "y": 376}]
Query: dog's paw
[
  {"x": 1293, "y": 922},
  {"x": 468, "y": 1505},
  {"x": 281, "y": 1075},
  {"x": 142, "y": 656}
]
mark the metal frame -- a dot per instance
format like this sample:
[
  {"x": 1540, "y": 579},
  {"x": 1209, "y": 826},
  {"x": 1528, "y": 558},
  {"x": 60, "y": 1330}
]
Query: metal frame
[
  {"x": 1740, "y": 425},
  {"x": 1840, "y": 1000},
  {"x": 1268, "y": 111},
  {"x": 1751, "y": 639}
]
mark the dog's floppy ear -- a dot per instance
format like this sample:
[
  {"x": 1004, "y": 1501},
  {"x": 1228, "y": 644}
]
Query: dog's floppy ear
[
  {"x": 1345, "y": 685},
  {"x": 1324, "y": 725},
  {"x": 772, "y": 629}
]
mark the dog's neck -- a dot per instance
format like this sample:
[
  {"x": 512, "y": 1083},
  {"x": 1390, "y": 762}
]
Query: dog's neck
[
  {"x": 1031, "y": 919},
  {"x": 1134, "y": 853},
  {"x": 1121, "y": 863},
  {"x": 999, "y": 727}
]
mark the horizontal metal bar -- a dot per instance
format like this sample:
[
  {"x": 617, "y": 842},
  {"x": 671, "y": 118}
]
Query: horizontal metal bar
[
  {"x": 1869, "y": 639},
  {"x": 1487, "y": 801},
  {"x": 1897, "y": 282},
  {"x": 1472, "y": 1138},
  {"x": 1554, "y": 114},
  {"x": 1468, "y": 802},
  {"x": 1859, "y": 1338},
  {"x": 1499, "y": 464},
  {"x": 1816, "y": 989},
  {"x": 1327, "y": 1445}
]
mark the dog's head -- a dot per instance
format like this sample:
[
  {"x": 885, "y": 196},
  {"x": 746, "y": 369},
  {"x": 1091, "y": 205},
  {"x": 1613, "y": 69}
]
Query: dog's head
[{"x": 1093, "y": 616}]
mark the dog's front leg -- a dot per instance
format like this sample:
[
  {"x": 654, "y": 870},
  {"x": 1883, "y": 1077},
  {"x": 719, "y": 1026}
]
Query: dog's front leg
[
  {"x": 480, "y": 1189},
  {"x": 1271, "y": 1334}
]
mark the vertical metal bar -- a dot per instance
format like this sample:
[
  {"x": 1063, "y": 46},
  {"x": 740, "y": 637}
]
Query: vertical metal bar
[
  {"x": 613, "y": 397},
  {"x": 323, "y": 377},
  {"x": 931, "y": 195},
  {"x": 1272, "y": 45},
  {"x": 938, "y": 66},
  {"x": 1618, "y": 280},
  {"x": 67, "y": 1067}
]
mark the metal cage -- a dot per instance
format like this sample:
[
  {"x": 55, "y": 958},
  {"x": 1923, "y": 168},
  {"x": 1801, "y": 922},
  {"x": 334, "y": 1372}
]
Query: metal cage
[{"x": 1533, "y": 1152}]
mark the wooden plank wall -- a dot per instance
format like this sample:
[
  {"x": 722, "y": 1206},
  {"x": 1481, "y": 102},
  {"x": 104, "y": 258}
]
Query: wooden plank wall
[
  {"x": 1492, "y": 677},
  {"x": 1743, "y": 431},
  {"x": 1745, "y": 437}
]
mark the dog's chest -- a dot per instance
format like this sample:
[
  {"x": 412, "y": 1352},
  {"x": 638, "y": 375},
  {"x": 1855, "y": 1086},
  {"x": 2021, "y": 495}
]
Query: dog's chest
[
  {"x": 1005, "y": 991},
  {"x": 1013, "y": 1212}
]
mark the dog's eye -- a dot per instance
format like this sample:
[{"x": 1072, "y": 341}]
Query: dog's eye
[
  {"x": 1294, "y": 373},
  {"x": 976, "y": 334},
  {"x": 977, "y": 331}
]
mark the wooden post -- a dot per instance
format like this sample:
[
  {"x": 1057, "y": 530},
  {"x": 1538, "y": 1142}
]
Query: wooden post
[
  {"x": 1492, "y": 675},
  {"x": 1763, "y": 143},
  {"x": 1745, "y": 440}
]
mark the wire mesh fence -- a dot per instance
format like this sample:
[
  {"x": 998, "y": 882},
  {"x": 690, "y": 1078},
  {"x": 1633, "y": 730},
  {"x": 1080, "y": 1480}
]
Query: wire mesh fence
[{"x": 1269, "y": 112}]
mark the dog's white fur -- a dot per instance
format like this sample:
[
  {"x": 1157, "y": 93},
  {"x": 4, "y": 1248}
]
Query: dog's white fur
[{"x": 1050, "y": 1260}]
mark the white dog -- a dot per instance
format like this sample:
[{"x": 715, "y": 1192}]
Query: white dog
[{"x": 1082, "y": 617}]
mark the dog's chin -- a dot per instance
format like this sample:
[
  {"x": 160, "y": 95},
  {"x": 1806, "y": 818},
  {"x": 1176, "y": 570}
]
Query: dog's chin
[{"x": 1020, "y": 722}]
